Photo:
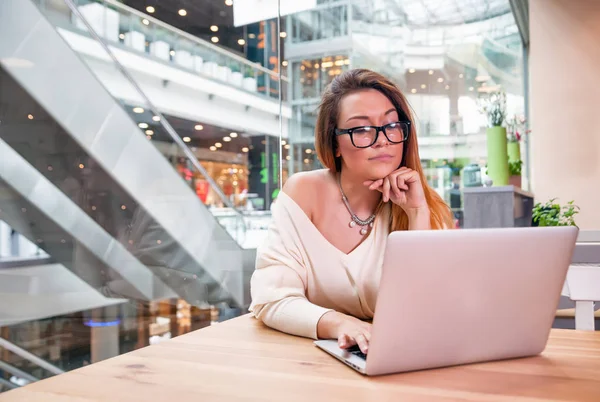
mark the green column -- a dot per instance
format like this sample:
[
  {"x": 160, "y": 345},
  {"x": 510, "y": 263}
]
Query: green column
[
  {"x": 497, "y": 155},
  {"x": 514, "y": 151}
]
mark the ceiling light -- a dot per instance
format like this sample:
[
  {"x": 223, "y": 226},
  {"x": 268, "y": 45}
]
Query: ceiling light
[
  {"x": 302, "y": 68},
  {"x": 252, "y": 36},
  {"x": 430, "y": 72},
  {"x": 245, "y": 149},
  {"x": 412, "y": 70},
  {"x": 150, "y": 9},
  {"x": 241, "y": 42},
  {"x": 214, "y": 28},
  {"x": 414, "y": 91},
  {"x": 213, "y": 148},
  {"x": 218, "y": 144},
  {"x": 233, "y": 135},
  {"x": 81, "y": 166},
  {"x": 121, "y": 36},
  {"x": 156, "y": 118},
  {"x": 283, "y": 142},
  {"x": 227, "y": 139},
  {"x": 138, "y": 110},
  {"x": 283, "y": 34},
  {"x": 172, "y": 52},
  {"x": 316, "y": 65},
  {"x": 30, "y": 116},
  {"x": 461, "y": 75},
  {"x": 123, "y": 207},
  {"x": 182, "y": 12},
  {"x": 307, "y": 161},
  {"x": 50, "y": 168},
  {"x": 148, "y": 137},
  {"x": 440, "y": 80},
  {"x": 143, "y": 125},
  {"x": 149, "y": 132},
  {"x": 186, "y": 139},
  {"x": 471, "y": 89},
  {"x": 145, "y": 22},
  {"x": 284, "y": 63},
  {"x": 198, "y": 127},
  {"x": 308, "y": 151},
  {"x": 214, "y": 39},
  {"x": 229, "y": 3},
  {"x": 287, "y": 146},
  {"x": 287, "y": 158},
  {"x": 447, "y": 86},
  {"x": 423, "y": 86}
]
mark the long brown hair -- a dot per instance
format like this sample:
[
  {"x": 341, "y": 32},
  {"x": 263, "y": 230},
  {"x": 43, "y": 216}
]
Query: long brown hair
[{"x": 326, "y": 143}]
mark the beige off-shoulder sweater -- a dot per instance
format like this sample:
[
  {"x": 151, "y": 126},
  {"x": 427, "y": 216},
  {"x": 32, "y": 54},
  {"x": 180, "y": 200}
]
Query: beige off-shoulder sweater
[{"x": 300, "y": 275}]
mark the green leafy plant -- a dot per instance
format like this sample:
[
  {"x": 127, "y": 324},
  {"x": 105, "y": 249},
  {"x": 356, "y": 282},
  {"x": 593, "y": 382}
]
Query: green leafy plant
[
  {"x": 553, "y": 214},
  {"x": 514, "y": 168}
]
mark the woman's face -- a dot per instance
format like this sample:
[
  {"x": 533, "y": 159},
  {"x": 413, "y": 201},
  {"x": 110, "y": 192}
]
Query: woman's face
[{"x": 368, "y": 107}]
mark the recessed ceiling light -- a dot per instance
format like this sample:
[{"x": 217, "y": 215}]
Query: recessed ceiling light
[
  {"x": 186, "y": 139},
  {"x": 143, "y": 125},
  {"x": 30, "y": 116},
  {"x": 150, "y": 9},
  {"x": 213, "y": 148},
  {"x": 198, "y": 127},
  {"x": 423, "y": 86},
  {"x": 123, "y": 207},
  {"x": 145, "y": 22},
  {"x": 461, "y": 75},
  {"x": 245, "y": 149},
  {"x": 430, "y": 72},
  {"x": 287, "y": 146},
  {"x": 308, "y": 151},
  {"x": 241, "y": 42},
  {"x": 414, "y": 91},
  {"x": 284, "y": 63},
  {"x": 233, "y": 135},
  {"x": 182, "y": 12},
  {"x": 440, "y": 79},
  {"x": 252, "y": 36},
  {"x": 81, "y": 166},
  {"x": 214, "y": 28},
  {"x": 412, "y": 70},
  {"x": 218, "y": 145},
  {"x": 138, "y": 110},
  {"x": 172, "y": 52},
  {"x": 447, "y": 86},
  {"x": 283, "y": 142},
  {"x": 214, "y": 39},
  {"x": 156, "y": 118},
  {"x": 283, "y": 34},
  {"x": 121, "y": 36},
  {"x": 149, "y": 132},
  {"x": 471, "y": 89},
  {"x": 307, "y": 161},
  {"x": 229, "y": 3},
  {"x": 50, "y": 168},
  {"x": 287, "y": 158},
  {"x": 227, "y": 139}
]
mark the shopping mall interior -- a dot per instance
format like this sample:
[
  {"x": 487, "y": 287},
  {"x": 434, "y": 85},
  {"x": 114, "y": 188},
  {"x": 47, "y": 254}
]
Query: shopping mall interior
[{"x": 144, "y": 142}]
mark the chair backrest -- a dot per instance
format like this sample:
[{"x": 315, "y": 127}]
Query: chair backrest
[{"x": 587, "y": 248}]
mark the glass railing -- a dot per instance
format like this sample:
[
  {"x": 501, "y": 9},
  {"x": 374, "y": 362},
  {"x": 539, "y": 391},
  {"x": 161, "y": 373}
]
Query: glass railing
[{"x": 127, "y": 29}]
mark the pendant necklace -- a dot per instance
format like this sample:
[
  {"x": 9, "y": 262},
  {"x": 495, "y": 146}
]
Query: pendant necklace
[{"x": 355, "y": 219}]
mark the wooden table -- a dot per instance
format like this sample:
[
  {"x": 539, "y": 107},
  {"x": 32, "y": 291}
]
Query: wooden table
[{"x": 241, "y": 360}]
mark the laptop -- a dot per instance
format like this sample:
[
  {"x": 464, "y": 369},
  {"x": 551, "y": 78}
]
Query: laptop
[{"x": 454, "y": 297}]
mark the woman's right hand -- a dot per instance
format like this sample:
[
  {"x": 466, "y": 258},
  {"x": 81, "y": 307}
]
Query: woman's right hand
[{"x": 348, "y": 331}]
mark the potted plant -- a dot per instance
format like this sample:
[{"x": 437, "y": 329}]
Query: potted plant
[
  {"x": 494, "y": 108},
  {"x": 514, "y": 170},
  {"x": 553, "y": 214},
  {"x": 516, "y": 128}
]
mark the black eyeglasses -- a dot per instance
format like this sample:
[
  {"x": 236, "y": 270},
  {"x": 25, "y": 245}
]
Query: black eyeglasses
[{"x": 365, "y": 136}]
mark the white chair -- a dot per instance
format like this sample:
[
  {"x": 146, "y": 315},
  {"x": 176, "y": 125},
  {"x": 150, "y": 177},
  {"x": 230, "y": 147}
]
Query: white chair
[
  {"x": 583, "y": 279},
  {"x": 237, "y": 79},
  {"x": 160, "y": 49},
  {"x": 198, "y": 61},
  {"x": 223, "y": 73},
  {"x": 104, "y": 21},
  {"x": 135, "y": 40},
  {"x": 250, "y": 84},
  {"x": 210, "y": 68},
  {"x": 184, "y": 59}
]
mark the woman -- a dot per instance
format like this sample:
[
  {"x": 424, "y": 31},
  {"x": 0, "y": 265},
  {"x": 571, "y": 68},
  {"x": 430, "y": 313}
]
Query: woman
[{"x": 318, "y": 272}]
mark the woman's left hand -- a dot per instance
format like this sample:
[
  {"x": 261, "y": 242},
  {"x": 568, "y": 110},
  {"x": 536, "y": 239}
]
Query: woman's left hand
[{"x": 403, "y": 187}]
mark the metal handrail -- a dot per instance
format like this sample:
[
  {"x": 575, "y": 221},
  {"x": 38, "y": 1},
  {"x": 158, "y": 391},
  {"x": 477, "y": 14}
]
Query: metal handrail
[
  {"x": 17, "y": 372},
  {"x": 195, "y": 39},
  {"x": 163, "y": 121},
  {"x": 29, "y": 356}
]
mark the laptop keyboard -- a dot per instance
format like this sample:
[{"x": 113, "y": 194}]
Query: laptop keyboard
[{"x": 355, "y": 350}]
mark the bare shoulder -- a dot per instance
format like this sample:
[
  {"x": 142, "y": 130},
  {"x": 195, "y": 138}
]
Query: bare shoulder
[{"x": 304, "y": 186}]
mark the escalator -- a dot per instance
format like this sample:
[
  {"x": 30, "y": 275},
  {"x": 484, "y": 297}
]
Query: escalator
[{"x": 80, "y": 179}]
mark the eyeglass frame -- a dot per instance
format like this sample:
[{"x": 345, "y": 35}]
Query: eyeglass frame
[{"x": 349, "y": 131}]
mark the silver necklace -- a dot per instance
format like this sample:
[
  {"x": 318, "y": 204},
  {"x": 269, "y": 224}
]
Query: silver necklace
[{"x": 355, "y": 219}]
